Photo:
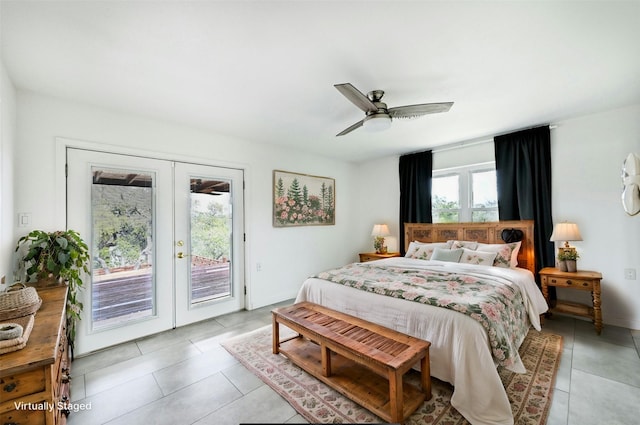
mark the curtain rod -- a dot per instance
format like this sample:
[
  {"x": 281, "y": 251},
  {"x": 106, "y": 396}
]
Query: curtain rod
[{"x": 479, "y": 141}]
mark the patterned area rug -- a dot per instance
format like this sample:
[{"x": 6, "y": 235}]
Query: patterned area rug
[{"x": 529, "y": 393}]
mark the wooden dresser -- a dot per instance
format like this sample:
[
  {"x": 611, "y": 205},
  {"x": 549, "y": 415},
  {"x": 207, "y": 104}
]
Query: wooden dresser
[{"x": 34, "y": 381}]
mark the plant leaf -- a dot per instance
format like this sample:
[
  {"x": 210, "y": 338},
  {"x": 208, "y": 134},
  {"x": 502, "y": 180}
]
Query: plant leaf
[
  {"x": 63, "y": 242},
  {"x": 63, "y": 257},
  {"x": 51, "y": 265}
]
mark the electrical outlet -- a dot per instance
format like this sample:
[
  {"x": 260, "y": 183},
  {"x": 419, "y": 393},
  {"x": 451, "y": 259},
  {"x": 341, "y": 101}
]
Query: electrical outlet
[{"x": 630, "y": 274}]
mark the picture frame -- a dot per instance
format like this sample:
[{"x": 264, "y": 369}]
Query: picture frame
[{"x": 303, "y": 200}]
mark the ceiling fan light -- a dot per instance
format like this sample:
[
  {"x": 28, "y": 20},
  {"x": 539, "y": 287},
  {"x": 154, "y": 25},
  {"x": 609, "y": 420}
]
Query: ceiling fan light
[{"x": 376, "y": 122}]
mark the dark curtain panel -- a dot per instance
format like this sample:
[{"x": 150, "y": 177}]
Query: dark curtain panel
[
  {"x": 523, "y": 170},
  {"x": 415, "y": 190}
]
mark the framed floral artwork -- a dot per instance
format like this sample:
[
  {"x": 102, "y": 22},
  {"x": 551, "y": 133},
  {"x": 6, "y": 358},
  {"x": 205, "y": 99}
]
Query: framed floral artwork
[{"x": 303, "y": 200}]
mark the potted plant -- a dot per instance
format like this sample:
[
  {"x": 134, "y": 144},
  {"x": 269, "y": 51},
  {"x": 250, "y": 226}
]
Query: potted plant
[
  {"x": 378, "y": 244},
  {"x": 57, "y": 258},
  {"x": 567, "y": 260}
]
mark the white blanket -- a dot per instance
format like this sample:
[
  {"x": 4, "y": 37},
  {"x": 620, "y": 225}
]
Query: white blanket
[{"x": 459, "y": 352}]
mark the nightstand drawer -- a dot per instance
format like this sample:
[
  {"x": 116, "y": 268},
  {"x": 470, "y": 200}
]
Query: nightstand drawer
[
  {"x": 371, "y": 256},
  {"x": 587, "y": 285}
]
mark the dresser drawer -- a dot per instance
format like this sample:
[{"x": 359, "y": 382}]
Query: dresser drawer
[
  {"x": 34, "y": 416},
  {"x": 16, "y": 386},
  {"x": 587, "y": 285}
]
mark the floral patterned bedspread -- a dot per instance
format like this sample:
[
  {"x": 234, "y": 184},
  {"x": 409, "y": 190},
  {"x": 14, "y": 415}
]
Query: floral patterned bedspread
[{"x": 493, "y": 301}]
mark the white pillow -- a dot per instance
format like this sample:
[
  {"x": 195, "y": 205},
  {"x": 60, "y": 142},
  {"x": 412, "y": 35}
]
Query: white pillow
[
  {"x": 506, "y": 253},
  {"x": 478, "y": 257},
  {"x": 413, "y": 247},
  {"x": 463, "y": 244},
  {"x": 423, "y": 251}
]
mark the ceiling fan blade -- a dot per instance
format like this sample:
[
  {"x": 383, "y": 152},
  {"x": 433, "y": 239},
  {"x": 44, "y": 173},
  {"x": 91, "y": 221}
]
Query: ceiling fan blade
[
  {"x": 412, "y": 111},
  {"x": 350, "y": 129},
  {"x": 356, "y": 97}
]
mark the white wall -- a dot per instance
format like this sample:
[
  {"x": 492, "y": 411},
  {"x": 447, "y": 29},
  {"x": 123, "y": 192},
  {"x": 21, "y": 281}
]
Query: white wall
[
  {"x": 287, "y": 255},
  {"x": 7, "y": 142},
  {"x": 587, "y": 155},
  {"x": 378, "y": 201}
]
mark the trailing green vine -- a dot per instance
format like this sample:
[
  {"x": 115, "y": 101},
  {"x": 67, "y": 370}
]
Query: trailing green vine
[{"x": 61, "y": 255}]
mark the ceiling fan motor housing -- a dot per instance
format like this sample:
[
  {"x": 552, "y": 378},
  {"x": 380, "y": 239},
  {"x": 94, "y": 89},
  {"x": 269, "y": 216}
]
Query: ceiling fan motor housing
[
  {"x": 379, "y": 120},
  {"x": 375, "y": 95}
]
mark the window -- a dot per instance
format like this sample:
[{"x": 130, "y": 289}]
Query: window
[{"x": 465, "y": 194}]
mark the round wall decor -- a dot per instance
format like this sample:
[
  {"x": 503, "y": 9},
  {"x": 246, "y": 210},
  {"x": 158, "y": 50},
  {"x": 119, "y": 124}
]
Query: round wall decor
[{"x": 631, "y": 184}]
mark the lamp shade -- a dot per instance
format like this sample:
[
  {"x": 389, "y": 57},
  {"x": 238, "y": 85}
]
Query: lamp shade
[
  {"x": 380, "y": 230},
  {"x": 565, "y": 232}
]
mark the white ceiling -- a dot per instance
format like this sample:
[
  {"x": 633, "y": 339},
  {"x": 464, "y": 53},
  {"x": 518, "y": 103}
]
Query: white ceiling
[{"x": 264, "y": 70}]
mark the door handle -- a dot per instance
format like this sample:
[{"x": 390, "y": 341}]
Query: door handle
[{"x": 180, "y": 255}]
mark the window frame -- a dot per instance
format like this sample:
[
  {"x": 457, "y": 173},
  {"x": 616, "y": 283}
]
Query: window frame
[{"x": 465, "y": 189}]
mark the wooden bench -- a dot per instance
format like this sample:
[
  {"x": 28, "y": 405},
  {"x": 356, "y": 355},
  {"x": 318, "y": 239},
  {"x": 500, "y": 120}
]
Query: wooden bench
[{"x": 361, "y": 360}]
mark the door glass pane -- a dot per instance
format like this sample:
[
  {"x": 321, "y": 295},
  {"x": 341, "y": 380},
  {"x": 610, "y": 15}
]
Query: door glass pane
[
  {"x": 211, "y": 224},
  {"x": 122, "y": 278}
]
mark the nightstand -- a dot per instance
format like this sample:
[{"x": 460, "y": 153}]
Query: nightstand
[
  {"x": 370, "y": 256},
  {"x": 582, "y": 280}
]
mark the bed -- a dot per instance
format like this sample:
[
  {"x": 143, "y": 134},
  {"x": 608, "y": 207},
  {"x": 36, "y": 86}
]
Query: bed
[{"x": 412, "y": 294}]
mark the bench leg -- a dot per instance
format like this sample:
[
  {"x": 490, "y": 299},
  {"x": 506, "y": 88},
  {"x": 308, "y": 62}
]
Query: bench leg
[
  {"x": 326, "y": 360},
  {"x": 395, "y": 396},
  {"x": 276, "y": 335},
  {"x": 425, "y": 376}
]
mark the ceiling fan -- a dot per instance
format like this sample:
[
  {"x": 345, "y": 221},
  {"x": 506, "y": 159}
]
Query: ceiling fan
[{"x": 378, "y": 117}]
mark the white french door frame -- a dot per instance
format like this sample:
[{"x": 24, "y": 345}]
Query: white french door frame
[
  {"x": 187, "y": 311},
  {"x": 161, "y": 316},
  {"x": 60, "y": 209}
]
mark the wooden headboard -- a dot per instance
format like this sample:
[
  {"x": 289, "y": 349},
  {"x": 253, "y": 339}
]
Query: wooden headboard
[{"x": 480, "y": 232}]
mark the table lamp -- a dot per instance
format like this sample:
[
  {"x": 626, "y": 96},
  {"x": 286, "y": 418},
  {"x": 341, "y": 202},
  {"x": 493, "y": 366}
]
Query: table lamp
[
  {"x": 565, "y": 232},
  {"x": 379, "y": 232}
]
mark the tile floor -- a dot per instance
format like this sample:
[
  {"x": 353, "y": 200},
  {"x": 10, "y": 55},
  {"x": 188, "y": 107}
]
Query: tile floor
[{"x": 185, "y": 377}]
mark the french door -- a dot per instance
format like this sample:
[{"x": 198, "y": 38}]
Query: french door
[{"x": 165, "y": 239}]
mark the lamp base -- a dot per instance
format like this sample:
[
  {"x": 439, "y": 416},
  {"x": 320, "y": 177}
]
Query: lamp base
[
  {"x": 379, "y": 246},
  {"x": 566, "y": 249}
]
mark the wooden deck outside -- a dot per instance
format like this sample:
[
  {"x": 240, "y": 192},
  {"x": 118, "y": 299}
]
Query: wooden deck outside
[{"x": 129, "y": 293}]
